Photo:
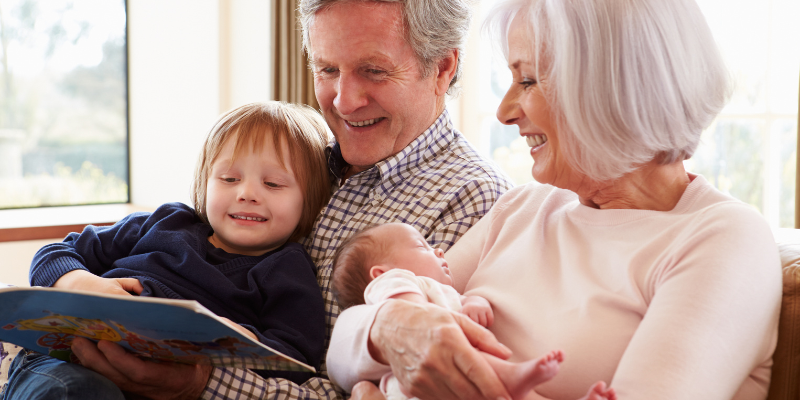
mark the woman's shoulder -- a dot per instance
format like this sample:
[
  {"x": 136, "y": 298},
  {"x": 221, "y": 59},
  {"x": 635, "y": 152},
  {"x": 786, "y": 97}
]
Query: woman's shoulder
[
  {"x": 707, "y": 203},
  {"x": 714, "y": 217}
]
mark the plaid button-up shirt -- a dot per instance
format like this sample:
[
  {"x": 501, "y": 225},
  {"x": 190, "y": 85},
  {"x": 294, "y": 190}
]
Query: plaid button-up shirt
[{"x": 438, "y": 184}]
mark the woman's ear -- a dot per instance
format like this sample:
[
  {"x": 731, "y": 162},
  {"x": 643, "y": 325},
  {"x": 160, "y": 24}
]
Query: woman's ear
[{"x": 377, "y": 271}]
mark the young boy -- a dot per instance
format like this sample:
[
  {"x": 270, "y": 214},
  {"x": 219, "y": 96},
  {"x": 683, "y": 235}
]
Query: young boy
[
  {"x": 260, "y": 182},
  {"x": 393, "y": 261}
]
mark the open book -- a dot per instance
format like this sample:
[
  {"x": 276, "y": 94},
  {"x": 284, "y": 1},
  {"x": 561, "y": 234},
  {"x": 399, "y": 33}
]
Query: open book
[{"x": 46, "y": 320}]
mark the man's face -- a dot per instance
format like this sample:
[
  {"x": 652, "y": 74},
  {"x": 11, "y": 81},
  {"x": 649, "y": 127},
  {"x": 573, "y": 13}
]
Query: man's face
[{"x": 368, "y": 82}]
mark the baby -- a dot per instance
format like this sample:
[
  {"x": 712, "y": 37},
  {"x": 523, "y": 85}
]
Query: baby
[
  {"x": 393, "y": 261},
  {"x": 260, "y": 182}
]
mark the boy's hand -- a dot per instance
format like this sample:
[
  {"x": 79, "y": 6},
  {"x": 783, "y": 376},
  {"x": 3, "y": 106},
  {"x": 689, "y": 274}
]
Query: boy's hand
[
  {"x": 478, "y": 309},
  {"x": 242, "y": 330},
  {"x": 84, "y": 280}
]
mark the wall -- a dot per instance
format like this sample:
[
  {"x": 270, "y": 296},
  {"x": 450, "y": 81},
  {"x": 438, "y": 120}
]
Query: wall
[
  {"x": 179, "y": 84},
  {"x": 189, "y": 60}
]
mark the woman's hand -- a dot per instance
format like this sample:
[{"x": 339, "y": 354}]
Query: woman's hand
[
  {"x": 144, "y": 378},
  {"x": 434, "y": 352},
  {"x": 84, "y": 280}
]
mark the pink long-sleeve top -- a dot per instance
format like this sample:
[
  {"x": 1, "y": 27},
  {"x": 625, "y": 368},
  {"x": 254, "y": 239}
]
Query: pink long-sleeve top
[{"x": 681, "y": 304}]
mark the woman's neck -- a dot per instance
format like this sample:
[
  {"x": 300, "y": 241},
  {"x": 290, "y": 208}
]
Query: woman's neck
[{"x": 650, "y": 187}]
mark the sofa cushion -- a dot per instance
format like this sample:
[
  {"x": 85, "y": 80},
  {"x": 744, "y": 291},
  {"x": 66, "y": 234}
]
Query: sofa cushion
[{"x": 786, "y": 360}]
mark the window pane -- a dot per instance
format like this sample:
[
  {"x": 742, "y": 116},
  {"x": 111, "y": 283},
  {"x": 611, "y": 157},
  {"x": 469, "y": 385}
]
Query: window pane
[
  {"x": 787, "y": 131},
  {"x": 731, "y": 157},
  {"x": 63, "y": 108}
]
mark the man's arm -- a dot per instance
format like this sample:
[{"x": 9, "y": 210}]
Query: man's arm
[
  {"x": 432, "y": 351},
  {"x": 181, "y": 381}
]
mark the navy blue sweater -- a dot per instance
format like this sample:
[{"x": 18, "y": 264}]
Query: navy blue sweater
[{"x": 275, "y": 295}]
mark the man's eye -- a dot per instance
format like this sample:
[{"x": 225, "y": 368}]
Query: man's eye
[
  {"x": 528, "y": 82},
  {"x": 328, "y": 70},
  {"x": 375, "y": 71}
]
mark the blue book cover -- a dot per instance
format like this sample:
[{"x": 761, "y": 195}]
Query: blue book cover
[{"x": 46, "y": 320}]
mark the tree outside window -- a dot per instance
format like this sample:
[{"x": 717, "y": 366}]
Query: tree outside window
[{"x": 63, "y": 103}]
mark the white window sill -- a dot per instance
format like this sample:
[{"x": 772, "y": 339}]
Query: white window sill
[{"x": 57, "y": 222}]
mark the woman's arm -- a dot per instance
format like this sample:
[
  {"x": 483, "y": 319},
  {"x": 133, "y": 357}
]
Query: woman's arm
[{"x": 712, "y": 320}]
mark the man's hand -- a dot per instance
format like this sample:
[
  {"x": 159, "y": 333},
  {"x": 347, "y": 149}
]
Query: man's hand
[
  {"x": 433, "y": 352},
  {"x": 84, "y": 280},
  {"x": 144, "y": 378},
  {"x": 478, "y": 309}
]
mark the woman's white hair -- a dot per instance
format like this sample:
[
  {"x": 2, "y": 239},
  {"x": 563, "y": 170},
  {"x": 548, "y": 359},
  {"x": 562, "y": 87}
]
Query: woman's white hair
[{"x": 629, "y": 80}]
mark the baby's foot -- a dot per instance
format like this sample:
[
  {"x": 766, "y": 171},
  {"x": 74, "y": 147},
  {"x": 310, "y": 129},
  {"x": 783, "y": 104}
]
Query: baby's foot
[
  {"x": 532, "y": 373},
  {"x": 598, "y": 391}
]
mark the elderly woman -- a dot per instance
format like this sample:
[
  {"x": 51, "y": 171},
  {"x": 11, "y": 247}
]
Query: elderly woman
[{"x": 645, "y": 276}]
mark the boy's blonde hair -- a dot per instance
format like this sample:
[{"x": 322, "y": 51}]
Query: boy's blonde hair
[{"x": 303, "y": 131}]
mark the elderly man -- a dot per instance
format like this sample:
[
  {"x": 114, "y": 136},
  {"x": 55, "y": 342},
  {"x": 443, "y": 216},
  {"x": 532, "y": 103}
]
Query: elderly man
[{"x": 382, "y": 70}]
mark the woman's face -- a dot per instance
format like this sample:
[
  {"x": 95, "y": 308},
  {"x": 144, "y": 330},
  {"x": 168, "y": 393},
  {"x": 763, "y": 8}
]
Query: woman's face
[{"x": 525, "y": 105}]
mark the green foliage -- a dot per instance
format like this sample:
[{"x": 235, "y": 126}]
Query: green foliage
[{"x": 88, "y": 185}]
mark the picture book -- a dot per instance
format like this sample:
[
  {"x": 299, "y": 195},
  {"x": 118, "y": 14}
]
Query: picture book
[{"x": 46, "y": 320}]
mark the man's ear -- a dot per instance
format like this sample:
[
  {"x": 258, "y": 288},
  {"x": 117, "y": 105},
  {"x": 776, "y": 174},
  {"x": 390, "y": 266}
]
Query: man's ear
[
  {"x": 377, "y": 271},
  {"x": 445, "y": 71}
]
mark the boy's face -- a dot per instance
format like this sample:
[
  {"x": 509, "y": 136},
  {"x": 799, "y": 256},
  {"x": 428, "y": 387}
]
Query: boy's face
[
  {"x": 410, "y": 251},
  {"x": 253, "y": 204}
]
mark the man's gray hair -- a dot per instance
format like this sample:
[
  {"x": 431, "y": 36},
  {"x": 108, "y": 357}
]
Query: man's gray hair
[
  {"x": 628, "y": 81},
  {"x": 433, "y": 28}
]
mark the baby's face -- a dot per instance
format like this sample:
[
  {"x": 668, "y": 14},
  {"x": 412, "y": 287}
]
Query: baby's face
[{"x": 410, "y": 251}]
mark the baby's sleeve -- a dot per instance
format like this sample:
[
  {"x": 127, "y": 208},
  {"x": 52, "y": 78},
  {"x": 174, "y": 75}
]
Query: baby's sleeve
[{"x": 392, "y": 283}]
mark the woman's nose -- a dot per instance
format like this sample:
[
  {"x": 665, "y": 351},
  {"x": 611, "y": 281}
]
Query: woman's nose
[
  {"x": 509, "y": 111},
  {"x": 350, "y": 94}
]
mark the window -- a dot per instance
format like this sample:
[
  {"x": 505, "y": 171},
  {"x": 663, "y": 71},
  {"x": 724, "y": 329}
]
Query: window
[
  {"x": 749, "y": 151},
  {"x": 63, "y": 107}
]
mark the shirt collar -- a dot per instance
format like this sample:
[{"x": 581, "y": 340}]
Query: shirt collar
[{"x": 398, "y": 167}]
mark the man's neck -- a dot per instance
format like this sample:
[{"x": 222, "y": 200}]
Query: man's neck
[{"x": 351, "y": 170}]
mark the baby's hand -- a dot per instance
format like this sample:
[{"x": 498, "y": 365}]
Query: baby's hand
[
  {"x": 80, "y": 279},
  {"x": 478, "y": 309},
  {"x": 241, "y": 329}
]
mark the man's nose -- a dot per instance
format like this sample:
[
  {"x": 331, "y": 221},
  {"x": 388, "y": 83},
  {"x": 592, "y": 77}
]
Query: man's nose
[{"x": 350, "y": 94}]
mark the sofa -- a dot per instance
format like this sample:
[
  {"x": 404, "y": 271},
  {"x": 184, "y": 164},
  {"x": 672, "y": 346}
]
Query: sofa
[{"x": 785, "y": 384}]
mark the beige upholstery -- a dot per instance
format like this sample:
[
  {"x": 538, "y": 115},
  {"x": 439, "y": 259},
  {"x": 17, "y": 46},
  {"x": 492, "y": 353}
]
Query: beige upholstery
[
  {"x": 785, "y": 383},
  {"x": 786, "y": 369}
]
